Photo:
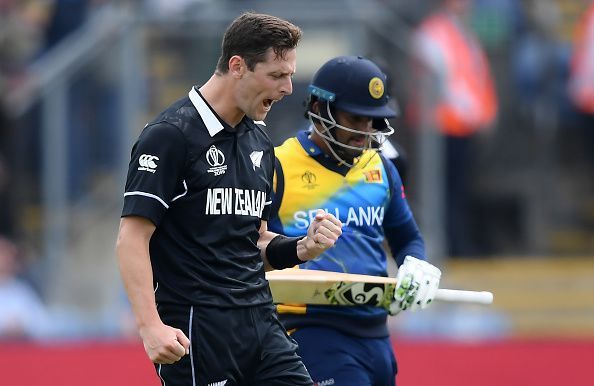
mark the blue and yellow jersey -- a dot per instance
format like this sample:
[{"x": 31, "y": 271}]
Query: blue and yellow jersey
[{"x": 368, "y": 198}]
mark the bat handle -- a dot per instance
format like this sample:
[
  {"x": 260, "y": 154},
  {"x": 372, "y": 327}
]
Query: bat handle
[{"x": 478, "y": 297}]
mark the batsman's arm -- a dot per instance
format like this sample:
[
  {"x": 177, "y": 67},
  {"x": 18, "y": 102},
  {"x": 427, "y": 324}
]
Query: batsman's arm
[{"x": 163, "y": 344}]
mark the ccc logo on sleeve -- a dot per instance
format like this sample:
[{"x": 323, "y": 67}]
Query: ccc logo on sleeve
[{"x": 147, "y": 163}]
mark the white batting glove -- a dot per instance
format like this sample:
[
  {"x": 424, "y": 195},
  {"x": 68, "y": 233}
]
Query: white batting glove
[{"x": 417, "y": 282}]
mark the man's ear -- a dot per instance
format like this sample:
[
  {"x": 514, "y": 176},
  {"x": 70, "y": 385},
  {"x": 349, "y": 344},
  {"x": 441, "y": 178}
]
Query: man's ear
[
  {"x": 237, "y": 66},
  {"x": 315, "y": 107}
]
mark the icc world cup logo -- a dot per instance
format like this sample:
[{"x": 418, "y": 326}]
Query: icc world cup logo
[
  {"x": 214, "y": 156},
  {"x": 216, "y": 160},
  {"x": 310, "y": 179}
]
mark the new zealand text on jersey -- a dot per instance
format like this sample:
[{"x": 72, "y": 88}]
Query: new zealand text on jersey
[
  {"x": 362, "y": 216},
  {"x": 243, "y": 202}
]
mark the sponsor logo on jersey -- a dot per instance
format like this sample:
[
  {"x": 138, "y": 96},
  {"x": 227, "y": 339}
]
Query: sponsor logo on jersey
[
  {"x": 216, "y": 160},
  {"x": 219, "y": 383},
  {"x": 148, "y": 163},
  {"x": 326, "y": 382},
  {"x": 309, "y": 179},
  {"x": 256, "y": 157},
  {"x": 235, "y": 201},
  {"x": 373, "y": 175},
  {"x": 360, "y": 216}
]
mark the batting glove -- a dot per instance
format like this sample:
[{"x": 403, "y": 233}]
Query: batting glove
[{"x": 417, "y": 282}]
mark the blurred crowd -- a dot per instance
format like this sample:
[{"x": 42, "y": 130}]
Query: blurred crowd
[
  {"x": 23, "y": 314},
  {"x": 28, "y": 30},
  {"x": 20, "y": 39}
]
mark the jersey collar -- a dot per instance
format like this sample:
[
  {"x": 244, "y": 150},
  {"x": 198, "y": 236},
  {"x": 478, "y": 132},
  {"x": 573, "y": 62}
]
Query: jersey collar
[
  {"x": 308, "y": 145},
  {"x": 316, "y": 153},
  {"x": 211, "y": 120},
  {"x": 213, "y": 125}
]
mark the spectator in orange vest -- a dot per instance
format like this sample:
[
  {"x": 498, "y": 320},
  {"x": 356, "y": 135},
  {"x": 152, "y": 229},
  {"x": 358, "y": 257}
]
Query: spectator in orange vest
[
  {"x": 456, "y": 90},
  {"x": 581, "y": 79},
  {"x": 581, "y": 82}
]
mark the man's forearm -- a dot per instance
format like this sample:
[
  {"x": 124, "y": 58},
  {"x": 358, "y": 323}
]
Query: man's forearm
[
  {"x": 265, "y": 238},
  {"x": 137, "y": 276}
]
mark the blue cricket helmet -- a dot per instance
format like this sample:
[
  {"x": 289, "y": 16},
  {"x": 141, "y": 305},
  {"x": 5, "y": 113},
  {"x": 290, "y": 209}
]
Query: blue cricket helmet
[
  {"x": 353, "y": 84},
  {"x": 357, "y": 86}
]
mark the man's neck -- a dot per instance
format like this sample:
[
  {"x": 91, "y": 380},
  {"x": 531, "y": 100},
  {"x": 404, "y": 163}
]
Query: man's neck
[{"x": 218, "y": 93}]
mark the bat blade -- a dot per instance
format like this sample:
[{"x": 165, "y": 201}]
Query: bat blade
[{"x": 301, "y": 286}]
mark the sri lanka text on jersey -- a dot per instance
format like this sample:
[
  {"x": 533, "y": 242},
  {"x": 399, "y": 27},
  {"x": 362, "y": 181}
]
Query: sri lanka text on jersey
[{"x": 360, "y": 216}]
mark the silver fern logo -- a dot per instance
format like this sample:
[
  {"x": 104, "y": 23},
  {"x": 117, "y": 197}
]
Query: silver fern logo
[{"x": 256, "y": 157}]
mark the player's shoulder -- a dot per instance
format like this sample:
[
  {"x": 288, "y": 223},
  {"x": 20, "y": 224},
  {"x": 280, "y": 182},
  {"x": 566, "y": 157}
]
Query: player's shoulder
[
  {"x": 160, "y": 130},
  {"x": 288, "y": 143},
  {"x": 259, "y": 128},
  {"x": 291, "y": 147},
  {"x": 180, "y": 114},
  {"x": 371, "y": 158}
]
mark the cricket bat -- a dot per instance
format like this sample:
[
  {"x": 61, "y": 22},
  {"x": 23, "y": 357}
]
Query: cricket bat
[{"x": 303, "y": 286}]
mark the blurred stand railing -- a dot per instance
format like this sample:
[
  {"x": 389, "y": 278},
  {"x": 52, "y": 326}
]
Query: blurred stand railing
[{"x": 109, "y": 35}]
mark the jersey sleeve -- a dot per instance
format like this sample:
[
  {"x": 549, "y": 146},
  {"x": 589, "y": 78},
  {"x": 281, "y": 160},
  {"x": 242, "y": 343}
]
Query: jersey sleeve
[
  {"x": 278, "y": 188},
  {"x": 398, "y": 211},
  {"x": 269, "y": 192},
  {"x": 155, "y": 172},
  {"x": 400, "y": 227}
]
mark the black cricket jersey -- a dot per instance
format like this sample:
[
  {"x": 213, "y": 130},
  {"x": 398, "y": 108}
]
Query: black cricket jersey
[{"x": 205, "y": 185}]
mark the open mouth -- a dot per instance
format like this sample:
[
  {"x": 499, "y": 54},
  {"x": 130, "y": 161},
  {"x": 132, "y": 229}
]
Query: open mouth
[
  {"x": 358, "y": 141},
  {"x": 268, "y": 103}
]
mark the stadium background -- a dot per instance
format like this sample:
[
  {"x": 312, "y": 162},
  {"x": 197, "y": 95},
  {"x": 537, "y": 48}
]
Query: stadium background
[{"x": 79, "y": 104}]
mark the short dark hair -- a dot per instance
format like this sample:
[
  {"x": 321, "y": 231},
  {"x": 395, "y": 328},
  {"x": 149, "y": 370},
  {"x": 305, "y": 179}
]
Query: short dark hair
[{"x": 251, "y": 34}]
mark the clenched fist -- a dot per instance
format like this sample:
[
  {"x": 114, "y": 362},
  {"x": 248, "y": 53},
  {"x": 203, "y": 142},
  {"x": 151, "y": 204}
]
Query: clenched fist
[{"x": 322, "y": 234}]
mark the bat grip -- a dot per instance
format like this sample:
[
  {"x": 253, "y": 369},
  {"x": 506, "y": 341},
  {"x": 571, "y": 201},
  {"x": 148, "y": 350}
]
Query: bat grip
[{"x": 478, "y": 297}]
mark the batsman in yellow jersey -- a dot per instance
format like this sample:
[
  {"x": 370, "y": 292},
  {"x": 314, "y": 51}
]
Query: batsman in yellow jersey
[{"x": 335, "y": 165}]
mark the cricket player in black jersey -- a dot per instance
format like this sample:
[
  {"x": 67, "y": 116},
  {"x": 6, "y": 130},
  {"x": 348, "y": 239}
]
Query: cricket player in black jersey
[{"x": 193, "y": 243}]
